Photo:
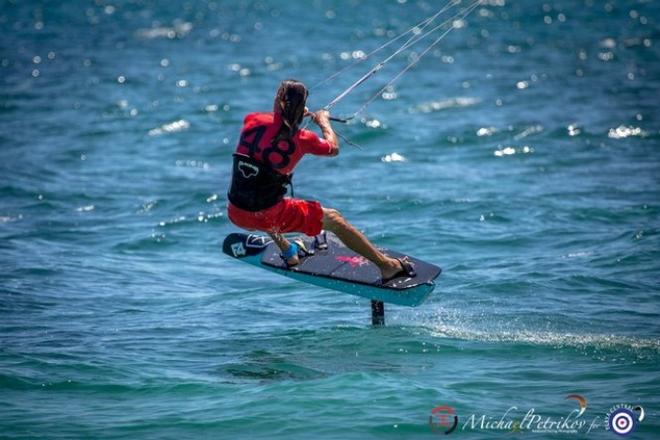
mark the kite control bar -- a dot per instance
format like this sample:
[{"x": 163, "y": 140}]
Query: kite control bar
[{"x": 340, "y": 120}]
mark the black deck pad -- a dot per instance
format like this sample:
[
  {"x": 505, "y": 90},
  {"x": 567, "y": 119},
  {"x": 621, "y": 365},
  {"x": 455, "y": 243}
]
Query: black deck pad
[{"x": 338, "y": 262}]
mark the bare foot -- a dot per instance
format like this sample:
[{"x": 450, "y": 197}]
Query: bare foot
[
  {"x": 392, "y": 268},
  {"x": 293, "y": 261}
]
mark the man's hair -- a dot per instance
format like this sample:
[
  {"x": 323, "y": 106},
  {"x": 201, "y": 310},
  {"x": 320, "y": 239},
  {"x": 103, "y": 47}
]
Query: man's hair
[{"x": 294, "y": 95}]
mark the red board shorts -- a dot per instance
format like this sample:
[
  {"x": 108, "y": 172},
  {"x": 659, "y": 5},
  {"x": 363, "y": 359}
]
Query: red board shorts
[{"x": 289, "y": 215}]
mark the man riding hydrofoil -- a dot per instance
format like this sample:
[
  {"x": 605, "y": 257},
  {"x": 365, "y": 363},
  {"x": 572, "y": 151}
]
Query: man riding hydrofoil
[{"x": 270, "y": 146}]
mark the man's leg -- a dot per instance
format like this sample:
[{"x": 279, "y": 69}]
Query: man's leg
[
  {"x": 356, "y": 241},
  {"x": 284, "y": 245}
]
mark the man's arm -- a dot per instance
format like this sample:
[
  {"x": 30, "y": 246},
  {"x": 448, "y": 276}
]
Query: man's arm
[{"x": 322, "y": 119}]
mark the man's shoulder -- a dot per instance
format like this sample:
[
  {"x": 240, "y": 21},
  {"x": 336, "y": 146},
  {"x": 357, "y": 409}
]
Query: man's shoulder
[
  {"x": 258, "y": 118},
  {"x": 306, "y": 135}
]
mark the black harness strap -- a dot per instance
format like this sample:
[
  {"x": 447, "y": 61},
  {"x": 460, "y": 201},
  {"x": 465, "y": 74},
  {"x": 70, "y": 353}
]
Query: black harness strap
[{"x": 254, "y": 185}]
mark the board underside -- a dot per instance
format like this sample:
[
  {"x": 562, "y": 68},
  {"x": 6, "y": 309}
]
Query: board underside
[{"x": 333, "y": 266}]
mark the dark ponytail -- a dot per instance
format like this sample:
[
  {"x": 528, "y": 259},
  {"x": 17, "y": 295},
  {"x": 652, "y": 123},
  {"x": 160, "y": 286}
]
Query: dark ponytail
[{"x": 294, "y": 96}]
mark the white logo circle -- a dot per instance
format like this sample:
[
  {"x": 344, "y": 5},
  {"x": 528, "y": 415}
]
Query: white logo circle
[{"x": 622, "y": 422}]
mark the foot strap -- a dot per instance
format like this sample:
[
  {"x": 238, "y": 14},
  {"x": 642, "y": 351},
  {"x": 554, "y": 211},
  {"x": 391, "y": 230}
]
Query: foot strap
[
  {"x": 321, "y": 241},
  {"x": 407, "y": 270}
]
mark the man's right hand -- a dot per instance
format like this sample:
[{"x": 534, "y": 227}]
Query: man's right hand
[{"x": 320, "y": 117}]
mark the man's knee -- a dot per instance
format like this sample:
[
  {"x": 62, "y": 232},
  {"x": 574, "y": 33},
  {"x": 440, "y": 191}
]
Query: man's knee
[{"x": 331, "y": 218}]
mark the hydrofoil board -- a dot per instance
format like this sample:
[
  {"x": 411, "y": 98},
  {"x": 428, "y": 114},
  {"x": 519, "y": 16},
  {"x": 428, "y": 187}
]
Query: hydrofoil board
[{"x": 328, "y": 263}]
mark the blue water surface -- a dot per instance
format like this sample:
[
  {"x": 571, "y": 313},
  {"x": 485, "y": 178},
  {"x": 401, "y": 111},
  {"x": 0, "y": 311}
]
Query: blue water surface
[{"x": 521, "y": 155}]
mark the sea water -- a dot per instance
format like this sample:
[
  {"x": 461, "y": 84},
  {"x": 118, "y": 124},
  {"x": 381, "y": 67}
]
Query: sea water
[{"x": 521, "y": 155}]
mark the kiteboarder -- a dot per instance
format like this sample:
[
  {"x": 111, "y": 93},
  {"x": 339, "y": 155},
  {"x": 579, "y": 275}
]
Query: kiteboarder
[{"x": 270, "y": 146}]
